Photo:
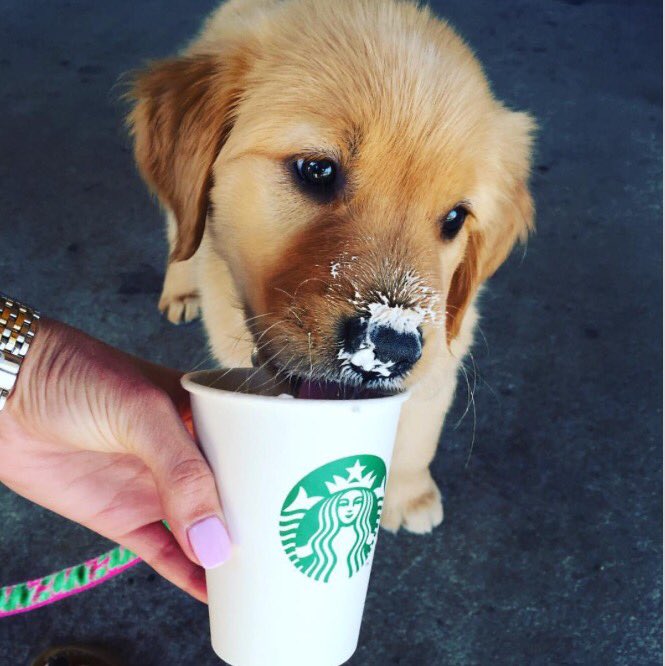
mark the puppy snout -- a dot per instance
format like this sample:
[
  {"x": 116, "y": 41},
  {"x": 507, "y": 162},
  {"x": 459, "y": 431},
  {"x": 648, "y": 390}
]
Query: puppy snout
[{"x": 378, "y": 350}]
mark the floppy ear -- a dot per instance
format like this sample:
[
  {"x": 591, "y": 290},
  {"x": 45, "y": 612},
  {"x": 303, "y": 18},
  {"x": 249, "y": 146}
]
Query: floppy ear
[
  {"x": 183, "y": 111},
  {"x": 505, "y": 214}
]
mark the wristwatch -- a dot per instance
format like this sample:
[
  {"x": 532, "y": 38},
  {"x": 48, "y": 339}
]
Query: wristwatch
[{"x": 18, "y": 326}]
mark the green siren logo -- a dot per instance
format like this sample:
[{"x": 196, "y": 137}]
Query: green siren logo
[{"x": 329, "y": 520}]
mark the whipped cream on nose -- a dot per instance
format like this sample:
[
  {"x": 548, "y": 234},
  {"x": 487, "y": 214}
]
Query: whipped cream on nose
[
  {"x": 400, "y": 319},
  {"x": 397, "y": 317}
]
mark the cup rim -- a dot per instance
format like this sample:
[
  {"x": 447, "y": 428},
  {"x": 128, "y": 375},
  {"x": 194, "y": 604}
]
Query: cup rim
[{"x": 189, "y": 383}]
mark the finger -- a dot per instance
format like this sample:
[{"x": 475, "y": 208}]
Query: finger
[
  {"x": 185, "y": 484},
  {"x": 155, "y": 545}
]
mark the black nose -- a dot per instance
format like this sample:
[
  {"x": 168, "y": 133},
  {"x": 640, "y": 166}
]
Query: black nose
[
  {"x": 378, "y": 350},
  {"x": 400, "y": 348}
]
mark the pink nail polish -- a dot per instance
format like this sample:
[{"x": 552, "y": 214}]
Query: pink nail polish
[{"x": 210, "y": 542}]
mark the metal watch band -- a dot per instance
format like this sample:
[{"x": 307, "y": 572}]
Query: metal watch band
[{"x": 18, "y": 325}]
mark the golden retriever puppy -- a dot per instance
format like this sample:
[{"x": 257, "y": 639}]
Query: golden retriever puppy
[{"x": 338, "y": 181}]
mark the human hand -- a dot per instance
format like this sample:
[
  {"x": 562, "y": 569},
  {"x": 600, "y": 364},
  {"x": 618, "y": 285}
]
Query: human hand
[{"x": 94, "y": 434}]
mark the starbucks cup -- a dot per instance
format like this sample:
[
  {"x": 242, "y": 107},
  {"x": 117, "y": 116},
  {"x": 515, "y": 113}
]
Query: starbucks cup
[{"x": 301, "y": 483}]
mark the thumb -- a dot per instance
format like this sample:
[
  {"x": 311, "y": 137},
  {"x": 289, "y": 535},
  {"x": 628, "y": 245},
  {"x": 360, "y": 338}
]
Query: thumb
[{"x": 184, "y": 482}]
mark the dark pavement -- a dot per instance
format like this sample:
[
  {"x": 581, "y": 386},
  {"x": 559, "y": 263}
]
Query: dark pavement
[{"x": 551, "y": 549}]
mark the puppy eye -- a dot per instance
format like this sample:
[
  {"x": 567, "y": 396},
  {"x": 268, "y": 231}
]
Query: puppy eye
[
  {"x": 453, "y": 222},
  {"x": 316, "y": 173}
]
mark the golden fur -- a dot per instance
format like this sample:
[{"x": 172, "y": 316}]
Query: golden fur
[{"x": 395, "y": 97}]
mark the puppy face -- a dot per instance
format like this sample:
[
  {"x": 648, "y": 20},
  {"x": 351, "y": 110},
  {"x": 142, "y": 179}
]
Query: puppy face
[{"x": 354, "y": 171}]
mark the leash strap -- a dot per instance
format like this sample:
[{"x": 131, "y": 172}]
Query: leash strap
[{"x": 24, "y": 597}]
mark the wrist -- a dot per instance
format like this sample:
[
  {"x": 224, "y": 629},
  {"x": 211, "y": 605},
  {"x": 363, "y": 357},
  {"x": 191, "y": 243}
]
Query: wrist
[
  {"x": 40, "y": 373},
  {"x": 33, "y": 360}
]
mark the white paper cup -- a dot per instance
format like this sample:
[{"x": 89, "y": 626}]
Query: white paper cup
[{"x": 301, "y": 484}]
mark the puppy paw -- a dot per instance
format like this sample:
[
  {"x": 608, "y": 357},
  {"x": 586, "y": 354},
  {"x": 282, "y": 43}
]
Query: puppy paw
[
  {"x": 180, "y": 301},
  {"x": 181, "y": 308},
  {"x": 414, "y": 504}
]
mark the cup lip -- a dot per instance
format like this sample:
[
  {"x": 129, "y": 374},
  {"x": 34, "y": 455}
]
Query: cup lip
[{"x": 189, "y": 383}]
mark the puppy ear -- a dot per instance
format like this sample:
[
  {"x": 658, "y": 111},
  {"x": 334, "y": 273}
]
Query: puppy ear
[
  {"x": 463, "y": 287},
  {"x": 504, "y": 217},
  {"x": 183, "y": 111}
]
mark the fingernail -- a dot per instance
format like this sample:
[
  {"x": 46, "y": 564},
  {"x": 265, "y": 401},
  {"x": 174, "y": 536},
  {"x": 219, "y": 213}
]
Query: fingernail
[{"x": 210, "y": 542}]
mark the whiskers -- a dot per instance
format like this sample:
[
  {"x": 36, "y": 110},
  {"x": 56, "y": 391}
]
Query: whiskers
[
  {"x": 261, "y": 367},
  {"x": 208, "y": 357},
  {"x": 471, "y": 385},
  {"x": 474, "y": 380}
]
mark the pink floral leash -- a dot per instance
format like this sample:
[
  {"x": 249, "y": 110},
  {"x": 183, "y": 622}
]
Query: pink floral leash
[
  {"x": 24, "y": 597},
  {"x": 32, "y": 594}
]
